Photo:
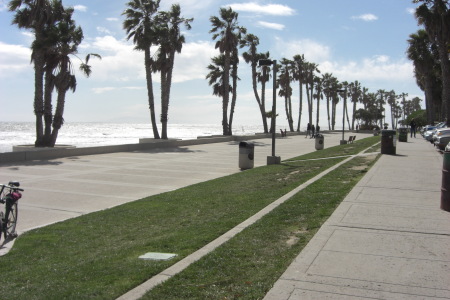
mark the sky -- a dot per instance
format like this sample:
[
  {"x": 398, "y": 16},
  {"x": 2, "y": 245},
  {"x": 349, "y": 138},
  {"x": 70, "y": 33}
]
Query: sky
[{"x": 352, "y": 39}]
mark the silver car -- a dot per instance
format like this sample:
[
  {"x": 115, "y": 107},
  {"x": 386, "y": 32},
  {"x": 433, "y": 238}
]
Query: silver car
[{"x": 438, "y": 133}]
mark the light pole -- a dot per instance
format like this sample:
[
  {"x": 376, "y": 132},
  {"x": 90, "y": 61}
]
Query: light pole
[{"x": 272, "y": 160}]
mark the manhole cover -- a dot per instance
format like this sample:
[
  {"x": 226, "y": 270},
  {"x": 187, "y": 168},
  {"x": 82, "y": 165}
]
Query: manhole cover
[{"x": 157, "y": 256}]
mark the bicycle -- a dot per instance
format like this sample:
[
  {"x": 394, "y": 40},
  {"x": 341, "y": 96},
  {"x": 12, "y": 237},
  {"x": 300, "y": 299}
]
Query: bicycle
[{"x": 9, "y": 195}]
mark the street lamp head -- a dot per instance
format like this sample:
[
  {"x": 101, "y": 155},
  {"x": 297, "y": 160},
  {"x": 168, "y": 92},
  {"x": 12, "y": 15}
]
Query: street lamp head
[{"x": 265, "y": 62}]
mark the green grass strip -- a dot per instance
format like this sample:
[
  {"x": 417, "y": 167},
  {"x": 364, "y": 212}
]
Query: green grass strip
[{"x": 95, "y": 256}]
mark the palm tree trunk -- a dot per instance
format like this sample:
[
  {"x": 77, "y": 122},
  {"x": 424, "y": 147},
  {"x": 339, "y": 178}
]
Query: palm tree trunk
[
  {"x": 151, "y": 100},
  {"x": 300, "y": 108},
  {"x": 48, "y": 113},
  {"x": 233, "y": 99},
  {"x": 328, "y": 113},
  {"x": 58, "y": 119},
  {"x": 39, "y": 63},
  {"x": 260, "y": 102},
  {"x": 353, "y": 116},
  {"x": 226, "y": 93}
]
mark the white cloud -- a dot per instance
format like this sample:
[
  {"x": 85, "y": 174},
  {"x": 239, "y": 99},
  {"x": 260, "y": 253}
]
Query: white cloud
[
  {"x": 103, "y": 30},
  {"x": 275, "y": 26},
  {"x": 269, "y": 9},
  {"x": 112, "y": 19},
  {"x": 80, "y": 8},
  {"x": 379, "y": 68},
  {"x": 14, "y": 59},
  {"x": 411, "y": 10},
  {"x": 366, "y": 17},
  {"x": 313, "y": 51},
  {"x": 121, "y": 63},
  {"x": 110, "y": 89}
]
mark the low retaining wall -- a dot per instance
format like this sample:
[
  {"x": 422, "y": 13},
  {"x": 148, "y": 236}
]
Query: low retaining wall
[{"x": 144, "y": 144}]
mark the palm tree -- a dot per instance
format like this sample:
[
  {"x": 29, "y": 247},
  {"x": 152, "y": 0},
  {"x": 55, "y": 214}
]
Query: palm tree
[
  {"x": 310, "y": 69},
  {"x": 299, "y": 75},
  {"x": 284, "y": 82},
  {"x": 264, "y": 76},
  {"x": 226, "y": 31},
  {"x": 36, "y": 15},
  {"x": 392, "y": 101},
  {"x": 435, "y": 16},
  {"x": 319, "y": 96},
  {"x": 355, "y": 96},
  {"x": 252, "y": 57},
  {"x": 216, "y": 75},
  {"x": 380, "y": 102},
  {"x": 140, "y": 26},
  {"x": 171, "y": 41},
  {"x": 424, "y": 56}
]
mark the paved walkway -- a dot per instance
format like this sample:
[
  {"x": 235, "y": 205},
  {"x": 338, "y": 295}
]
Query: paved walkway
[
  {"x": 387, "y": 240},
  {"x": 63, "y": 188}
]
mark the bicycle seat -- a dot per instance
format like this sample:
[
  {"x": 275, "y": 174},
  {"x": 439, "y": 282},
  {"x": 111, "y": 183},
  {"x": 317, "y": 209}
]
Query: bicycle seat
[{"x": 14, "y": 183}]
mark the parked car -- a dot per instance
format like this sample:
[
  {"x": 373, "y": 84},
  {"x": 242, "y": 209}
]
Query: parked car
[
  {"x": 440, "y": 132},
  {"x": 442, "y": 141},
  {"x": 447, "y": 148}
]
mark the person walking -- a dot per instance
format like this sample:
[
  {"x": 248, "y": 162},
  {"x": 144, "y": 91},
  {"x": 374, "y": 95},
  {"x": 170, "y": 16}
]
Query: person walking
[
  {"x": 413, "y": 125},
  {"x": 308, "y": 130}
]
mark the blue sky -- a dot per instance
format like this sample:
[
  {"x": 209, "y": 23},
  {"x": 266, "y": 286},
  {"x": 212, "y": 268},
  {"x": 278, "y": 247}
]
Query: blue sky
[{"x": 353, "y": 39}]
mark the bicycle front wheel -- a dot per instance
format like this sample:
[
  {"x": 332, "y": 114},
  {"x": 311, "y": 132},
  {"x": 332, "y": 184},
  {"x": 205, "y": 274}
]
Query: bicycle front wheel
[
  {"x": 1, "y": 225},
  {"x": 10, "y": 226}
]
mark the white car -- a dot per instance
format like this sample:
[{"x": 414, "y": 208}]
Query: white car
[{"x": 447, "y": 148}]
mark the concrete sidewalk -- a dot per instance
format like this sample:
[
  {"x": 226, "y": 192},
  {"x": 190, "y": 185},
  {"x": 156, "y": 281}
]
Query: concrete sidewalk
[
  {"x": 62, "y": 188},
  {"x": 387, "y": 240}
]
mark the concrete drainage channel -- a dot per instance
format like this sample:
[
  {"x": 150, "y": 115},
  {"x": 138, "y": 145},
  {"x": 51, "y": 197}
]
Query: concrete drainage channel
[{"x": 178, "y": 267}]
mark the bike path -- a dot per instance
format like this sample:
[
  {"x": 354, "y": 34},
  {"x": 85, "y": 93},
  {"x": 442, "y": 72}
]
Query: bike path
[
  {"x": 387, "y": 240},
  {"x": 63, "y": 188}
]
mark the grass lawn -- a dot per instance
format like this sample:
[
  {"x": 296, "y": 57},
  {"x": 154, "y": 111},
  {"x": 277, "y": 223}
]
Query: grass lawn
[{"x": 95, "y": 256}]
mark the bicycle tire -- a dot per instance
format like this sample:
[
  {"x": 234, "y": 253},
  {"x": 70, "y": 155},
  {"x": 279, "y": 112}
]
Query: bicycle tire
[
  {"x": 1, "y": 225},
  {"x": 10, "y": 226}
]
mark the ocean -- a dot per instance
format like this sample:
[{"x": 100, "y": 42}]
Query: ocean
[{"x": 103, "y": 134}]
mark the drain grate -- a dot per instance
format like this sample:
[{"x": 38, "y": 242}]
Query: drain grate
[{"x": 157, "y": 256}]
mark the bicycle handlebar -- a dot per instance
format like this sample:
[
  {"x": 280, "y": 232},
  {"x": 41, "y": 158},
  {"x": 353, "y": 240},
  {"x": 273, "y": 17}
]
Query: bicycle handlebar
[{"x": 11, "y": 187}]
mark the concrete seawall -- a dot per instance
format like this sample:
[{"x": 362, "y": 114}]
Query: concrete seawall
[{"x": 144, "y": 144}]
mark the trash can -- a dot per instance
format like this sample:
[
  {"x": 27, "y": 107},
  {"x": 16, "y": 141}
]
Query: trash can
[
  {"x": 445, "y": 189},
  {"x": 319, "y": 142},
  {"x": 246, "y": 155},
  {"x": 403, "y": 134},
  {"x": 388, "y": 141}
]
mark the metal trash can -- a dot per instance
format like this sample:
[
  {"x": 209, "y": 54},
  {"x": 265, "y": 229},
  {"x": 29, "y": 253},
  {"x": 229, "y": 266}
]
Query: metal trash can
[
  {"x": 445, "y": 189},
  {"x": 246, "y": 155},
  {"x": 403, "y": 134},
  {"x": 319, "y": 142},
  {"x": 388, "y": 141}
]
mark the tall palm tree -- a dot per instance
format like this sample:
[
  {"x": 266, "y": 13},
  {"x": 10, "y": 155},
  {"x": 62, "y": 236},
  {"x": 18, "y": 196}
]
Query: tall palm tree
[
  {"x": 310, "y": 69},
  {"x": 170, "y": 42},
  {"x": 263, "y": 76},
  {"x": 140, "y": 26},
  {"x": 299, "y": 75},
  {"x": 252, "y": 57},
  {"x": 70, "y": 36},
  {"x": 36, "y": 15},
  {"x": 355, "y": 96},
  {"x": 226, "y": 31},
  {"x": 380, "y": 102},
  {"x": 319, "y": 96},
  {"x": 392, "y": 101},
  {"x": 284, "y": 82},
  {"x": 435, "y": 16},
  {"x": 423, "y": 53}
]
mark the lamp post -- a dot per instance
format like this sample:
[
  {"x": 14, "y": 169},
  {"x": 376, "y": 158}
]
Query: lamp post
[
  {"x": 343, "y": 141},
  {"x": 271, "y": 160}
]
